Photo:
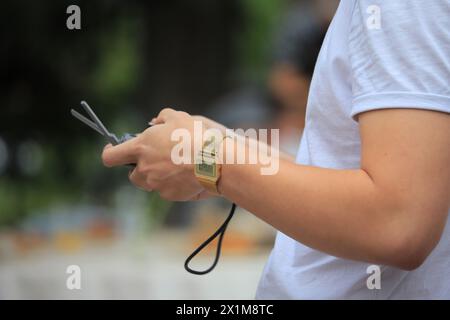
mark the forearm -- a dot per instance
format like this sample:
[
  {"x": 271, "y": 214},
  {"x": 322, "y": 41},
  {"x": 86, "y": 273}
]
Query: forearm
[
  {"x": 390, "y": 211},
  {"x": 341, "y": 212}
]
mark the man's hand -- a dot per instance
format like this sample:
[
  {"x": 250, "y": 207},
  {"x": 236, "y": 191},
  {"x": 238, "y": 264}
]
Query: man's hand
[{"x": 151, "y": 152}]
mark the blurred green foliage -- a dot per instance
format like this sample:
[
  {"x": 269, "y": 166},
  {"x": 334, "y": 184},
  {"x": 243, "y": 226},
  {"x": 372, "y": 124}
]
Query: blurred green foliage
[
  {"x": 117, "y": 71},
  {"x": 254, "y": 43},
  {"x": 128, "y": 61}
]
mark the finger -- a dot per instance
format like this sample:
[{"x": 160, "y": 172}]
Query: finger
[
  {"x": 124, "y": 153},
  {"x": 164, "y": 115},
  {"x": 202, "y": 195},
  {"x": 137, "y": 180}
]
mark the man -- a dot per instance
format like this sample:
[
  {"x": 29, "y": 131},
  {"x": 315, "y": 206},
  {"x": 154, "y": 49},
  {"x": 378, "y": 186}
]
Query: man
[{"x": 371, "y": 182}]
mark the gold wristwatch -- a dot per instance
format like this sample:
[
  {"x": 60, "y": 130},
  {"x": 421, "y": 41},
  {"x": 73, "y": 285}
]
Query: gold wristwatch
[{"x": 207, "y": 168}]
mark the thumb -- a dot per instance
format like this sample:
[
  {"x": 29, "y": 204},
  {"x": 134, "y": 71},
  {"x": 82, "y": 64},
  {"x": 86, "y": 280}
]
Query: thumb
[
  {"x": 165, "y": 115},
  {"x": 122, "y": 154}
]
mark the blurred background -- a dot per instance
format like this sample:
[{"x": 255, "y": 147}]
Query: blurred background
[{"x": 244, "y": 63}]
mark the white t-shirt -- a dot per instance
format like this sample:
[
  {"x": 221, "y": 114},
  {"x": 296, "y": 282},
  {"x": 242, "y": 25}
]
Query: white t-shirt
[{"x": 376, "y": 54}]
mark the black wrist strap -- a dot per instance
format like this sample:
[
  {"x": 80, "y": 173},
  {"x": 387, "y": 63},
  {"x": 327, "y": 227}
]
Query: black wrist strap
[{"x": 220, "y": 232}]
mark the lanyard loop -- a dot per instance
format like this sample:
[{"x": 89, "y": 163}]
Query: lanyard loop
[{"x": 219, "y": 232}]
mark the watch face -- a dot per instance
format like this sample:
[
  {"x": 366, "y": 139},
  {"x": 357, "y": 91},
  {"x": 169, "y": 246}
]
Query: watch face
[
  {"x": 206, "y": 161},
  {"x": 206, "y": 169}
]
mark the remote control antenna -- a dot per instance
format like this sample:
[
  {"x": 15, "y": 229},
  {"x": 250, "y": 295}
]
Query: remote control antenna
[
  {"x": 95, "y": 123},
  {"x": 86, "y": 121}
]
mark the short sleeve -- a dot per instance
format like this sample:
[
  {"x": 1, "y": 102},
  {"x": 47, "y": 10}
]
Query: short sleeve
[{"x": 399, "y": 53}]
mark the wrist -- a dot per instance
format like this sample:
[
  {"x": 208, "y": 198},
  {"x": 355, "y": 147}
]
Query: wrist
[
  {"x": 226, "y": 144},
  {"x": 230, "y": 146}
]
